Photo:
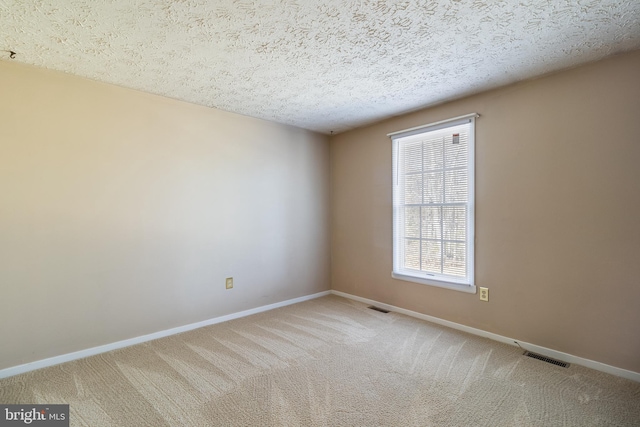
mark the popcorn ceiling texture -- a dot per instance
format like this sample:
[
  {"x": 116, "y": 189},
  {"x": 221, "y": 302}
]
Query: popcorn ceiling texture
[{"x": 327, "y": 65}]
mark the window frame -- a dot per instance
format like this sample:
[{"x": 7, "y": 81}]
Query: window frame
[{"x": 466, "y": 284}]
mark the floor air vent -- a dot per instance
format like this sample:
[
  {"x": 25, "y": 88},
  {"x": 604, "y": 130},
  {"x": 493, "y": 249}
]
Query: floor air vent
[
  {"x": 381, "y": 310},
  {"x": 546, "y": 359}
]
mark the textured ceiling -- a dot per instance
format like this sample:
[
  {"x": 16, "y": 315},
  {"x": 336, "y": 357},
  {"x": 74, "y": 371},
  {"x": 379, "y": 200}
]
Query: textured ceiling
[{"x": 326, "y": 65}]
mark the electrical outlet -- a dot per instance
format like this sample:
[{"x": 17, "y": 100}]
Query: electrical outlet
[
  {"x": 484, "y": 294},
  {"x": 229, "y": 282}
]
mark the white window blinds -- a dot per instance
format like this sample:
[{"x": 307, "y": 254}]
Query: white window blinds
[{"x": 433, "y": 208}]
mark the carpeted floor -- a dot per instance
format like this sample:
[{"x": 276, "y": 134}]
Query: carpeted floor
[{"x": 327, "y": 362}]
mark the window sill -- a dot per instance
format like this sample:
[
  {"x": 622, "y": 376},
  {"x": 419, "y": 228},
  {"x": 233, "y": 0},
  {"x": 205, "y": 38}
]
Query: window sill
[{"x": 460, "y": 287}]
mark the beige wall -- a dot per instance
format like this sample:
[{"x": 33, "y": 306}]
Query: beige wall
[
  {"x": 557, "y": 213},
  {"x": 121, "y": 213}
]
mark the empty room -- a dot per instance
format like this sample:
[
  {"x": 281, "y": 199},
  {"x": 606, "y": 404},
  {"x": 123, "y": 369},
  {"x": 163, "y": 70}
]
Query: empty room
[{"x": 320, "y": 213}]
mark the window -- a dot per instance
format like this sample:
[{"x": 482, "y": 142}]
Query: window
[{"x": 433, "y": 204}]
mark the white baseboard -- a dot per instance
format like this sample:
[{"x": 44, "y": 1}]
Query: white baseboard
[
  {"x": 634, "y": 376},
  {"x": 56, "y": 360}
]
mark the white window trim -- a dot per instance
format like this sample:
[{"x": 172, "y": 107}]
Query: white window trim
[{"x": 453, "y": 283}]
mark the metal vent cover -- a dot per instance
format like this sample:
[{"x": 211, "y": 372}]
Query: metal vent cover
[
  {"x": 381, "y": 310},
  {"x": 546, "y": 359}
]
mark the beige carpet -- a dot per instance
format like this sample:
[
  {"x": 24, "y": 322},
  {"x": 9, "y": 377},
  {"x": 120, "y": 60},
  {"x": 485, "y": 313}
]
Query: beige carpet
[{"x": 327, "y": 362}]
